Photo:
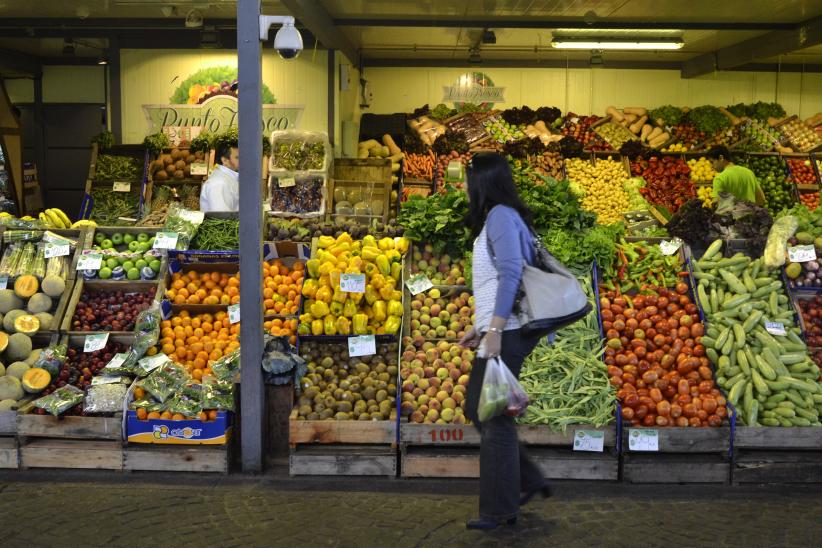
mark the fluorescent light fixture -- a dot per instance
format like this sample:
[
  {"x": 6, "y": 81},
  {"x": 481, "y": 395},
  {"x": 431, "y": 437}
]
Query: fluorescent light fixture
[{"x": 560, "y": 42}]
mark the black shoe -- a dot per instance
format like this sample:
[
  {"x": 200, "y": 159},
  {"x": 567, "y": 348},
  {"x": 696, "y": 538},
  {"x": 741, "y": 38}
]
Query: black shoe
[
  {"x": 526, "y": 498},
  {"x": 488, "y": 524}
]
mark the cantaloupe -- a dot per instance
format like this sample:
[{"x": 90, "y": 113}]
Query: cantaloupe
[
  {"x": 9, "y": 301},
  {"x": 2, "y": 370},
  {"x": 4, "y": 341},
  {"x": 8, "y": 320},
  {"x": 17, "y": 369},
  {"x": 27, "y": 324},
  {"x": 53, "y": 285},
  {"x": 10, "y": 388},
  {"x": 39, "y": 302},
  {"x": 46, "y": 320},
  {"x": 33, "y": 357},
  {"x": 8, "y": 405},
  {"x": 35, "y": 380},
  {"x": 19, "y": 347},
  {"x": 26, "y": 286}
]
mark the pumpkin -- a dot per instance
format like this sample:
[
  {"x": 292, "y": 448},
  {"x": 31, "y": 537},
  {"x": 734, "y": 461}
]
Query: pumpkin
[
  {"x": 26, "y": 286},
  {"x": 27, "y": 324},
  {"x": 35, "y": 380}
]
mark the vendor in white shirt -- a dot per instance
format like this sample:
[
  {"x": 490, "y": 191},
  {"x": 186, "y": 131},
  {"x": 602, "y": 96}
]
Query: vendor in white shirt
[{"x": 221, "y": 192}]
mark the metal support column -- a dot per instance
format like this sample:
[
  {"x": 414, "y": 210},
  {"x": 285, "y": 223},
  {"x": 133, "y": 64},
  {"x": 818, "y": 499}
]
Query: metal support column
[
  {"x": 251, "y": 233},
  {"x": 332, "y": 94}
]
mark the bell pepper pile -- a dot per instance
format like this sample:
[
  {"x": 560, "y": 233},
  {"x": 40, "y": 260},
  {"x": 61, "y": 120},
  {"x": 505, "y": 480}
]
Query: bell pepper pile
[
  {"x": 640, "y": 265},
  {"x": 667, "y": 181},
  {"x": 328, "y": 310}
]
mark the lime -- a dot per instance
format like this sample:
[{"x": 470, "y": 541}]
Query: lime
[
  {"x": 133, "y": 274},
  {"x": 105, "y": 273}
]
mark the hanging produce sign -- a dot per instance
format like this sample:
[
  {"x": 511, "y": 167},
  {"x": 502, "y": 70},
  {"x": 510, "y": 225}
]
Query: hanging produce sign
[{"x": 474, "y": 88}]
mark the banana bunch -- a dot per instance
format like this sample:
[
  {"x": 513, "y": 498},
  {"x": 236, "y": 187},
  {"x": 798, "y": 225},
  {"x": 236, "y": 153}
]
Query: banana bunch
[
  {"x": 83, "y": 223},
  {"x": 55, "y": 218}
]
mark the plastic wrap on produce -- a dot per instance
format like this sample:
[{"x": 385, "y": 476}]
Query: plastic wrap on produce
[
  {"x": 470, "y": 124},
  {"x": 297, "y": 194},
  {"x": 293, "y": 150}
]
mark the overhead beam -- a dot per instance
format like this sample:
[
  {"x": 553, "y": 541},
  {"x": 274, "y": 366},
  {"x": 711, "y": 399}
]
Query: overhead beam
[
  {"x": 17, "y": 63},
  {"x": 314, "y": 16},
  {"x": 557, "y": 22},
  {"x": 772, "y": 44},
  {"x": 516, "y": 63}
]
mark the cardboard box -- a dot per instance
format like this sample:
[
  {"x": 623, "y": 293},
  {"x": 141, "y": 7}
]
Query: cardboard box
[{"x": 186, "y": 432}]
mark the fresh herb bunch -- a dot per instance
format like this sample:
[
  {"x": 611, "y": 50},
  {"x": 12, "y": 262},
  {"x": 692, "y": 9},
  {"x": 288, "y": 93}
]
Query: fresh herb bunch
[
  {"x": 709, "y": 119},
  {"x": 578, "y": 249},
  {"x": 201, "y": 143},
  {"x": 669, "y": 114},
  {"x": 759, "y": 110},
  {"x": 554, "y": 205},
  {"x": 104, "y": 140},
  {"x": 442, "y": 112},
  {"x": 438, "y": 219},
  {"x": 156, "y": 142}
]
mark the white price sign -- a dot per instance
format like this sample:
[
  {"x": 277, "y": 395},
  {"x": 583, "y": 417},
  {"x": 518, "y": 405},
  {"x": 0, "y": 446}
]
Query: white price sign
[
  {"x": 234, "y": 313},
  {"x": 589, "y": 440},
  {"x": 352, "y": 283},
  {"x": 643, "y": 439},
  {"x": 165, "y": 240},
  {"x": 90, "y": 261},
  {"x": 419, "y": 283},
  {"x": 801, "y": 253},
  {"x": 4, "y": 282},
  {"x": 286, "y": 182},
  {"x": 199, "y": 168},
  {"x": 106, "y": 380},
  {"x": 116, "y": 361},
  {"x": 364, "y": 345},
  {"x": 95, "y": 342},
  {"x": 669, "y": 247},
  {"x": 56, "y": 249},
  {"x": 151, "y": 363},
  {"x": 120, "y": 186},
  {"x": 775, "y": 328}
]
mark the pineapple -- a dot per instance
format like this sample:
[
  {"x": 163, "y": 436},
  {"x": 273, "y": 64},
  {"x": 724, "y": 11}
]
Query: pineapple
[
  {"x": 191, "y": 197},
  {"x": 161, "y": 198}
]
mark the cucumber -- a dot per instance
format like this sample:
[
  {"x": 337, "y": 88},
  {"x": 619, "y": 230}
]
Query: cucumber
[
  {"x": 801, "y": 386},
  {"x": 714, "y": 299},
  {"x": 742, "y": 360},
  {"x": 770, "y": 422},
  {"x": 739, "y": 336},
  {"x": 749, "y": 282},
  {"x": 704, "y": 276},
  {"x": 712, "y": 354},
  {"x": 777, "y": 385},
  {"x": 736, "y": 391},
  {"x": 703, "y": 299},
  {"x": 765, "y": 368},
  {"x": 787, "y": 404},
  {"x": 712, "y": 332},
  {"x": 776, "y": 398},
  {"x": 724, "y": 363},
  {"x": 735, "y": 301},
  {"x": 712, "y": 250},
  {"x": 785, "y": 412},
  {"x": 805, "y": 414},
  {"x": 734, "y": 284},
  {"x": 762, "y": 282},
  {"x": 800, "y": 421},
  {"x": 707, "y": 342},
  {"x": 751, "y": 321},
  {"x": 722, "y": 339},
  {"x": 753, "y": 414},
  {"x": 759, "y": 383}
]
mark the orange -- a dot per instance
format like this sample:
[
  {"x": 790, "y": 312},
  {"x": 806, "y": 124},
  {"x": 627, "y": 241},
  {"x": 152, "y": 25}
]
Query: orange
[
  {"x": 139, "y": 393},
  {"x": 181, "y": 352},
  {"x": 211, "y": 300},
  {"x": 225, "y": 299},
  {"x": 179, "y": 299},
  {"x": 142, "y": 414},
  {"x": 234, "y": 282},
  {"x": 208, "y": 327},
  {"x": 165, "y": 415},
  {"x": 193, "y": 274},
  {"x": 168, "y": 348},
  {"x": 178, "y": 283},
  {"x": 177, "y": 417},
  {"x": 197, "y": 374},
  {"x": 235, "y": 299},
  {"x": 212, "y": 415},
  {"x": 202, "y": 416},
  {"x": 153, "y": 415}
]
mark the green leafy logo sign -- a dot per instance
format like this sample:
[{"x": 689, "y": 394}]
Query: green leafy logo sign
[{"x": 474, "y": 88}]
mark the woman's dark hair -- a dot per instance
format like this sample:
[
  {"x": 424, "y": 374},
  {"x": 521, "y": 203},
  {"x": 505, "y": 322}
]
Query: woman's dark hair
[
  {"x": 719, "y": 151},
  {"x": 491, "y": 183}
]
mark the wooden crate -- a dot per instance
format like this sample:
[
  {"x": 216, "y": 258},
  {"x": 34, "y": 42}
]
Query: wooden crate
[
  {"x": 75, "y": 454},
  {"x": 343, "y": 460},
  {"x": 686, "y": 455},
  {"x": 9, "y": 453},
  {"x": 130, "y": 286},
  {"x": 177, "y": 458},
  {"x": 372, "y": 176},
  {"x": 777, "y": 455},
  {"x": 430, "y": 450},
  {"x": 136, "y": 190},
  {"x": 78, "y": 428}
]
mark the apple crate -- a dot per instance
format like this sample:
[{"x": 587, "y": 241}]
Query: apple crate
[
  {"x": 777, "y": 455},
  {"x": 105, "y": 232},
  {"x": 98, "y": 286}
]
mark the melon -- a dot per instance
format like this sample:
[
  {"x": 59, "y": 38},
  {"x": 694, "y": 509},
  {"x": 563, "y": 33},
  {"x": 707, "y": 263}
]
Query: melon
[
  {"x": 26, "y": 286},
  {"x": 8, "y": 405},
  {"x": 27, "y": 324},
  {"x": 8, "y": 320},
  {"x": 46, "y": 320},
  {"x": 2, "y": 370},
  {"x": 10, "y": 388},
  {"x": 35, "y": 380},
  {"x": 34, "y": 356},
  {"x": 53, "y": 285},
  {"x": 4, "y": 341},
  {"x": 19, "y": 347},
  {"x": 39, "y": 302},
  {"x": 9, "y": 301},
  {"x": 17, "y": 369}
]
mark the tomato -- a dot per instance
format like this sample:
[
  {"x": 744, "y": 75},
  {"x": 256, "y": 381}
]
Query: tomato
[
  {"x": 705, "y": 387},
  {"x": 631, "y": 400},
  {"x": 614, "y": 371},
  {"x": 720, "y": 401},
  {"x": 662, "y": 383},
  {"x": 656, "y": 395},
  {"x": 682, "y": 387},
  {"x": 662, "y": 421},
  {"x": 714, "y": 420},
  {"x": 627, "y": 413},
  {"x": 649, "y": 377},
  {"x": 709, "y": 405},
  {"x": 721, "y": 412},
  {"x": 702, "y": 415},
  {"x": 663, "y": 408},
  {"x": 669, "y": 392},
  {"x": 642, "y": 392},
  {"x": 695, "y": 422},
  {"x": 689, "y": 410},
  {"x": 676, "y": 411},
  {"x": 616, "y": 381},
  {"x": 628, "y": 378},
  {"x": 682, "y": 288},
  {"x": 649, "y": 420},
  {"x": 707, "y": 374},
  {"x": 641, "y": 412},
  {"x": 681, "y": 422}
]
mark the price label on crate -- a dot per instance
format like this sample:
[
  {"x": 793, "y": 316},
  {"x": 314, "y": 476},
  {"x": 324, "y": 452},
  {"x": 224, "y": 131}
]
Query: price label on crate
[
  {"x": 90, "y": 261},
  {"x": 165, "y": 240},
  {"x": 106, "y": 380},
  {"x": 95, "y": 342},
  {"x": 801, "y": 253},
  {"x": 117, "y": 361},
  {"x": 121, "y": 186},
  {"x": 775, "y": 328},
  {"x": 364, "y": 345},
  {"x": 643, "y": 439},
  {"x": 419, "y": 283},
  {"x": 4, "y": 282},
  {"x": 56, "y": 249},
  {"x": 199, "y": 168},
  {"x": 669, "y": 247},
  {"x": 353, "y": 283},
  {"x": 447, "y": 435},
  {"x": 286, "y": 182},
  {"x": 234, "y": 313},
  {"x": 589, "y": 440}
]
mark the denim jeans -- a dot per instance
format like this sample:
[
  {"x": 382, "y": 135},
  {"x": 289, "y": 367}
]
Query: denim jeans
[{"x": 505, "y": 469}]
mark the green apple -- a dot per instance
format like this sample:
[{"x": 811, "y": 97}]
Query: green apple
[
  {"x": 132, "y": 274},
  {"x": 105, "y": 273},
  {"x": 134, "y": 246},
  {"x": 128, "y": 265},
  {"x": 117, "y": 238},
  {"x": 107, "y": 244},
  {"x": 142, "y": 237},
  {"x": 140, "y": 264},
  {"x": 128, "y": 238},
  {"x": 99, "y": 237},
  {"x": 154, "y": 265},
  {"x": 112, "y": 262}
]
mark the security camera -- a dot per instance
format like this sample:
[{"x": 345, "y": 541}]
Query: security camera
[{"x": 288, "y": 41}]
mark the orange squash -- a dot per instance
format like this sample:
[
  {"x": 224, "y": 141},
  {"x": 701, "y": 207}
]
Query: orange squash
[
  {"x": 26, "y": 286},
  {"x": 35, "y": 380},
  {"x": 27, "y": 324}
]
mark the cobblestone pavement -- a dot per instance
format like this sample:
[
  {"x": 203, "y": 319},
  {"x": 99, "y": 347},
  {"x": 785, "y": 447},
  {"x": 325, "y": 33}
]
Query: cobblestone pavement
[{"x": 149, "y": 511}]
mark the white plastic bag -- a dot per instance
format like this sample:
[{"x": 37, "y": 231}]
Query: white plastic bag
[{"x": 501, "y": 392}]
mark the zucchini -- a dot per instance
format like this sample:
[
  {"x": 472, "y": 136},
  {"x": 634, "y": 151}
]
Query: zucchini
[
  {"x": 770, "y": 422},
  {"x": 714, "y": 299},
  {"x": 736, "y": 391},
  {"x": 776, "y": 398},
  {"x": 712, "y": 354},
  {"x": 800, "y": 421},
  {"x": 759, "y": 383},
  {"x": 707, "y": 342},
  {"x": 762, "y": 282},
  {"x": 749, "y": 282},
  {"x": 703, "y": 299},
  {"x": 729, "y": 345},
  {"x": 722, "y": 339},
  {"x": 739, "y": 336},
  {"x": 712, "y": 250},
  {"x": 753, "y": 414},
  {"x": 742, "y": 360},
  {"x": 785, "y": 412},
  {"x": 765, "y": 368},
  {"x": 735, "y": 301},
  {"x": 772, "y": 304},
  {"x": 751, "y": 321}
]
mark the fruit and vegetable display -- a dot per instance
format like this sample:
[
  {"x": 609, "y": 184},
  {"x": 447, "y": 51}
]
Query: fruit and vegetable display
[
  {"x": 639, "y": 265},
  {"x": 753, "y": 340},
  {"x": 304, "y": 194},
  {"x": 809, "y": 199},
  {"x": 801, "y": 136},
  {"x": 427, "y": 129},
  {"x": 441, "y": 314},
  {"x": 419, "y": 166},
  {"x": 175, "y": 165},
  {"x": 686, "y": 137},
  {"x": 502, "y": 131},
  {"x": 342, "y": 388},
  {"x": 440, "y": 269},
  {"x": 706, "y": 195},
  {"x": 103, "y": 310},
  {"x": 702, "y": 170},
  {"x": 25, "y": 375},
  {"x": 602, "y": 183},
  {"x": 439, "y": 220},
  {"x": 614, "y": 134},
  {"x": 579, "y": 127},
  {"x": 290, "y": 152},
  {"x": 770, "y": 170},
  {"x": 667, "y": 181},
  {"x": 709, "y": 120},
  {"x": 548, "y": 164},
  {"x": 29, "y": 304},
  {"x": 759, "y": 137},
  {"x": 118, "y": 168},
  {"x": 110, "y": 208},
  {"x": 632, "y": 123},
  {"x": 198, "y": 341},
  {"x": 441, "y": 174},
  {"x": 470, "y": 125},
  {"x": 801, "y": 171},
  {"x": 126, "y": 256},
  {"x": 217, "y": 235},
  {"x": 810, "y": 310}
]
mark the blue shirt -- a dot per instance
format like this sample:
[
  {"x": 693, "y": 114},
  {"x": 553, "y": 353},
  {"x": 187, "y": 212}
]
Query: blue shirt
[{"x": 512, "y": 245}]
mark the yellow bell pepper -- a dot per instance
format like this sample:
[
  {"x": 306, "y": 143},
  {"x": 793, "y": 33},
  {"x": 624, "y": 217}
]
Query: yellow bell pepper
[
  {"x": 384, "y": 265},
  {"x": 310, "y": 288},
  {"x": 360, "y": 324},
  {"x": 343, "y": 326},
  {"x": 393, "y": 255},
  {"x": 370, "y": 254},
  {"x": 386, "y": 292},
  {"x": 356, "y": 247},
  {"x": 325, "y": 257},
  {"x": 330, "y": 325},
  {"x": 334, "y": 278},
  {"x": 380, "y": 310},
  {"x": 304, "y": 329},
  {"x": 325, "y": 269},
  {"x": 317, "y": 327},
  {"x": 325, "y": 241},
  {"x": 324, "y": 281},
  {"x": 396, "y": 270},
  {"x": 306, "y": 318},
  {"x": 377, "y": 280},
  {"x": 396, "y": 295},
  {"x": 356, "y": 297},
  {"x": 336, "y": 308},
  {"x": 344, "y": 237},
  {"x": 341, "y": 265},
  {"x": 324, "y": 294},
  {"x": 319, "y": 309},
  {"x": 339, "y": 248},
  {"x": 371, "y": 294},
  {"x": 401, "y": 244},
  {"x": 369, "y": 241},
  {"x": 371, "y": 269},
  {"x": 386, "y": 243},
  {"x": 354, "y": 265},
  {"x": 313, "y": 267},
  {"x": 349, "y": 308},
  {"x": 339, "y": 296},
  {"x": 394, "y": 308},
  {"x": 392, "y": 324}
]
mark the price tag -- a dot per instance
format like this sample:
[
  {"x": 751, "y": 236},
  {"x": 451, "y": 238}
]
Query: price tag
[
  {"x": 801, "y": 253},
  {"x": 364, "y": 345},
  {"x": 286, "y": 182},
  {"x": 116, "y": 361},
  {"x": 199, "y": 168},
  {"x": 127, "y": 219},
  {"x": 643, "y": 439},
  {"x": 106, "y": 380},
  {"x": 589, "y": 440},
  {"x": 90, "y": 261},
  {"x": 56, "y": 249},
  {"x": 669, "y": 247},
  {"x": 95, "y": 342},
  {"x": 419, "y": 283},
  {"x": 775, "y": 328},
  {"x": 352, "y": 283},
  {"x": 165, "y": 240},
  {"x": 151, "y": 363},
  {"x": 234, "y": 313},
  {"x": 195, "y": 217},
  {"x": 4, "y": 282},
  {"x": 120, "y": 186}
]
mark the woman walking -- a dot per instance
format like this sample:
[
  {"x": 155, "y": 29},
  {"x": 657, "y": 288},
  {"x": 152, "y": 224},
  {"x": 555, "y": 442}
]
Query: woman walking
[{"x": 504, "y": 243}]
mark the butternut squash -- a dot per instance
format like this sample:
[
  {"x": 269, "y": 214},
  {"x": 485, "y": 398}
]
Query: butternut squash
[
  {"x": 639, "y": 111},
  {"x": 615, "y": 115},
  {"x": 636, "y": 127},
  {"x": 388, "y": 141},
  {"x": 646, "y": 130},
  {"x": 656, "y": 132}
]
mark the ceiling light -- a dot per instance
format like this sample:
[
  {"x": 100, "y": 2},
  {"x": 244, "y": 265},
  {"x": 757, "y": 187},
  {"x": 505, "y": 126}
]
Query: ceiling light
[
  {"x": 103, "y": 59},
  {"x": 590, "y": 43},
  {"x": 68, "y": 48},
  {"x": 194, "y": 19},
  {"x": 474, "y": 57},
  {"x": 489, "y": 37}
]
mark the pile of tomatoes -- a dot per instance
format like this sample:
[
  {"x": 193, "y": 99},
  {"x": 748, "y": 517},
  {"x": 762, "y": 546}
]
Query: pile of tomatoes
[{"x": 656, "y": 361}]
